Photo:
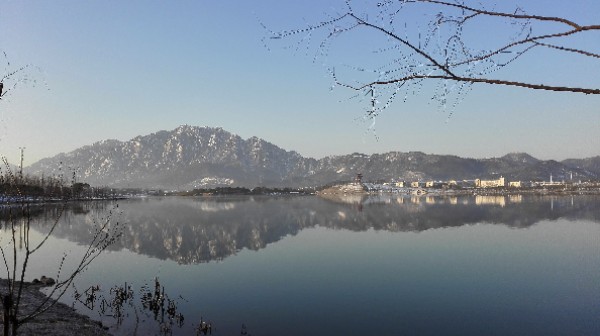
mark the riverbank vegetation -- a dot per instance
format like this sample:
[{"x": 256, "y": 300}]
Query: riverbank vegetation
[{"x": 18, "y": 247}]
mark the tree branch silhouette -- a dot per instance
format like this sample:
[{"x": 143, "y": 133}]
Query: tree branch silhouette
[{"x": 446, "y": 54}]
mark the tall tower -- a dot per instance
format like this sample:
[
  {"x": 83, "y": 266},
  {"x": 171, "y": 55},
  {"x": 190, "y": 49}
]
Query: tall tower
[
  {"x": 21, "y": 166},
  {"x": 358, "y": 178}
]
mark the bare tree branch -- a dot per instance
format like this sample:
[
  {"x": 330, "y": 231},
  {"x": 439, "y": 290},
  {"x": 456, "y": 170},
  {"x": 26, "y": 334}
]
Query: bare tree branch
[
  {"x": 446, "y": 53},
  {"x": 475, "y": 80},
  {"x": 497, "y": 14},
  {"x": 107, "y": 232},
  {"x": 561, "y": 48}
]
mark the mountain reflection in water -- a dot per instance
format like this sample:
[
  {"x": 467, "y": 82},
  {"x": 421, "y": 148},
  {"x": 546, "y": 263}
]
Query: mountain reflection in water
[{"x": 196, "y": 230}]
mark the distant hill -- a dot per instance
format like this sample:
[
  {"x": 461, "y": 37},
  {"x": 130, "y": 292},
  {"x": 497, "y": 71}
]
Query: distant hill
[
  {"x": 201, "y": 157},
  {"x": 590, "y": 165}
]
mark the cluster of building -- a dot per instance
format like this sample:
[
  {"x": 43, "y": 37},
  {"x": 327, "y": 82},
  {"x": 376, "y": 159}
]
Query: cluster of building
[
  {"x": 477, "y": 183},
  {"x": 499, "y": 186}
]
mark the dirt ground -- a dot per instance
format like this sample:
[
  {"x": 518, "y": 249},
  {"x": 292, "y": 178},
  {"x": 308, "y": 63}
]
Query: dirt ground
[{"x": 58, "y": 320}]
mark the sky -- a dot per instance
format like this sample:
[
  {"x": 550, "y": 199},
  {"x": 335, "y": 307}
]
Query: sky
[{"x": 118, "y": 69}]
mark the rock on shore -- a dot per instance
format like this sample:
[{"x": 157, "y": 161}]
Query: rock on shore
[{"x": 58, "y": 320}]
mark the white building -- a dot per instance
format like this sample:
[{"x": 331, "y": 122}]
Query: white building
[{"x": 490, "y": 183}]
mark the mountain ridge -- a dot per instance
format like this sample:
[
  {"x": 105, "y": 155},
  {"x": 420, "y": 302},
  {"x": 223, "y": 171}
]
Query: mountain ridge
[{"x": 199, "y": 157}]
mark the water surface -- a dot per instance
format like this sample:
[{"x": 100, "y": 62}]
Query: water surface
[{"x": 385, "y": 265}]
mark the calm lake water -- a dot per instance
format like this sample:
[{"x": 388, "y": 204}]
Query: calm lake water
[{"x": 385, "y": 265}]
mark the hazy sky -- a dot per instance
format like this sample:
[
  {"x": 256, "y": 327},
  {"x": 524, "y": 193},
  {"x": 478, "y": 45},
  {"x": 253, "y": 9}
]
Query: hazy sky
[{"x": 118, "y": 69}]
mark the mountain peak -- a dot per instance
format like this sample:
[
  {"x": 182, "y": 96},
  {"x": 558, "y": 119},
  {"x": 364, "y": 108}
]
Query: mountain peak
[
  {"x": 190, "y": 128},
  {"x": 520, "y": 157},
  {"x": 185, "y": 158}
]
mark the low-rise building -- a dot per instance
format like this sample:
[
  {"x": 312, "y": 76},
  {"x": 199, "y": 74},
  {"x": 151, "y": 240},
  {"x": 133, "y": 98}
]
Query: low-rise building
[
  {"x": 515, "y": 184},
  {"x": 417, "y": 184},
  {"x": 490, "y": 183}
]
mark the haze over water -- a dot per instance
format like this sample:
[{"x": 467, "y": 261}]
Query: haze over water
[{"x": 385, "y": 265}]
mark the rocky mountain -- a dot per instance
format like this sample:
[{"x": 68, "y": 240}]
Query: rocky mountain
[
  {"x": 184, "y": 158},
  {"x": 199, "y": 157}
]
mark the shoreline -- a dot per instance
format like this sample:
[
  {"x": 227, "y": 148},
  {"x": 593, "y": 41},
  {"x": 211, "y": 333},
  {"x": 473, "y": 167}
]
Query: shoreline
[{"x": 60, "y": 319}]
